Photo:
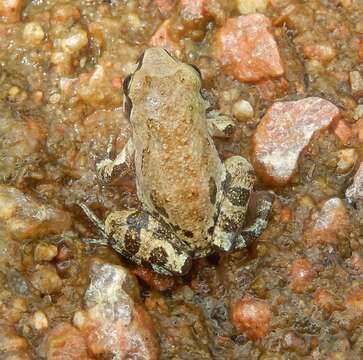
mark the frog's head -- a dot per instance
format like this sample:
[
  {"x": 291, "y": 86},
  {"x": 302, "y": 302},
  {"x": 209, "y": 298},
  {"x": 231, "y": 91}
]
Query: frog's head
[{"x": 158, "y": 69}]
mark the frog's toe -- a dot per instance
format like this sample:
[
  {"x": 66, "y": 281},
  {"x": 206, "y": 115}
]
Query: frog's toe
[{"x": 259, "y": 209}]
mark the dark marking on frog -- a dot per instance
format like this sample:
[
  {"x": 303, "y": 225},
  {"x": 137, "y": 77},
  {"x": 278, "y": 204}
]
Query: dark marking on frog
[
  {"x": 158, "y": 256},
  {"x": 127, "y": 100},
  {"x": 228, "y": 224},
  {"x": 212, "y": 190},
  {"x": 188, "y": 234},
  {"x": 156, "y": 204},
  {"x": 138, "y": 220},
  {"x": 132, "y": 241},
  {"x": 227, "y": 181},
  {"x": 238, "y": 195},
  {"x": 210, "y": 230}
]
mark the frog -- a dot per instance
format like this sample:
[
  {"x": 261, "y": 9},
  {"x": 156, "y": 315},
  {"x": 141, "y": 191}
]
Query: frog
[{"x": 193, "y": 204}]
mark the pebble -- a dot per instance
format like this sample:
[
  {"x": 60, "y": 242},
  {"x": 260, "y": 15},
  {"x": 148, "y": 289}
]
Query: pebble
[
  {"x": 242, "y": 110},
  {"x": 356, "y": 83},
  {"x": 24, "y": 217},
  {"x": 346, "y": 160},
  {"x": 113, "y": 321},
  {"x": 11, "y": 10},
  {"x": 247, "y": 50},
  {"x": 301, "y": 275},
  {"x": 75, "y": 41},
  {"x": 63, "y": 342},
  {"x": 252, "y": 317},
  {"x": 45, "y": 252},
  {"x": 327, "y": 301},
  {"x": 329, "y": 224},
  {"x": 39, "y": 320},
  {"x": 46, "y": 280},
  {"x": 284, "y": 132},
  {"x": 33, "y": 33},
  {"x": 354, "y": 193},
  {"x": 246, "y": 7},
  {"x": 355, "y": 301}
]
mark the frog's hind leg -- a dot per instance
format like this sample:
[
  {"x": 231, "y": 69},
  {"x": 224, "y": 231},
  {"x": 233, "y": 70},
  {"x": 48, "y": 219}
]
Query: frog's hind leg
[
  {"x": 237, "y": 188},
  {"x": 262, "y": 209},
  {"x": 146, "y": 241}
]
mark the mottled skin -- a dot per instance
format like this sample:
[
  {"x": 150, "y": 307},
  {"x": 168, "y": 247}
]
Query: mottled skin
[{"x": 192, "y": 203}]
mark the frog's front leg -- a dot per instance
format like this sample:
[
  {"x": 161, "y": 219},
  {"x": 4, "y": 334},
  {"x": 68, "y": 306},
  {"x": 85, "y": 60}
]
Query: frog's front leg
[
  {"x": 236, "y": 188},
  {"x": 143, "y": 239},
  {"x": 107, "y": 169}
]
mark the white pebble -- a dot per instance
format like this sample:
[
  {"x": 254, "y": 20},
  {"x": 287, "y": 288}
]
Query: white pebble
[
  {"x": 33, "y": 32},
  {"x": 251, "y": 6},
  {"x": 77, "y": 40},
  {"x": 39, "y": 321},
  {"x": 45, "y": 252},
  {"x": 242, "y": 110},
  {"x": 347, "y": 159}
]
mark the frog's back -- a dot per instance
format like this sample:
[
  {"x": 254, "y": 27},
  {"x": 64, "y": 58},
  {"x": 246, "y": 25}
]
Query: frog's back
[{"x": 178, "y": 169}]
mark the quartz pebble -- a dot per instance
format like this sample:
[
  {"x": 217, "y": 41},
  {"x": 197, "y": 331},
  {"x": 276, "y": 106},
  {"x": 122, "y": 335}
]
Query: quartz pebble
[
  {"x": 113, "y": 322},
  {"x": 284, "y": 132},
  {"x": 242, "y": 110},
  {"x": 247, "y": 50},
  {"x": 24, "y": 217},
  {"x": 45, "y": 252},
  {"x": 329, "y": 224},
  {"x": 10, "y": 10},
  {"x": 33, "y": 33},
  {"x": 252, "y": 317},
  {"x": 354, "y": 192},
  {"x": 46, "y": 280},
  {"x": 64, "y": 342},
  {"x": 301, "y": 274},
  {"x": 251, "y": 6},
  {"x": 346, "y": 160},
  {"x": 39, "y": 320}
]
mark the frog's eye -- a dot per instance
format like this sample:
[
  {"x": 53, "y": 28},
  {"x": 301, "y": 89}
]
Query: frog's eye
[
  {"x": 126, "y": 84},
  {"x": 197, "y": 70}
]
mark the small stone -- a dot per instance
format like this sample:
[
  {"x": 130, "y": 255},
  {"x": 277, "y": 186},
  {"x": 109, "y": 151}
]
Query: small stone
[
  {"x": 356, "y": 83},
  {"x": 242, "y": 110},
  {"x": 246, "y": 7},
  {"x": 10, "y": 10},
  {"x": 75, "y": 41},
  {"x": 284, "y": 132},
  {"x": 329, "y": 224},
  {"x": 247, "y": 50},
  {"x": 64, "y": 342},
  {"x": 113, "y": 322},
  {"x": 39, "y": 320},
  {"x": 323, "y": 52},
  {"x": 45, "y": 252},
  {"x": 46, "y": 280},
  {"x": 327, "y": 301},
  {"x": 355, "y": 192},
  {"x": 346, "y": 160},
  {"x": 33, "y": 33},
  {"x": 252, "y": 317},
  {"x": 301, "y": 275},
  {"x": 355, "y": 301},
  {"x": 24, "y": 217},
  {"x": 54, "y": 98}
]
